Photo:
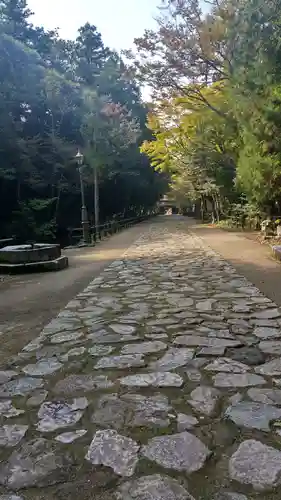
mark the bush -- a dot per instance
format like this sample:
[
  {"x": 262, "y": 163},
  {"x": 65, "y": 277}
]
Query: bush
[
  {"x": 34, "y": 220},
  {"x": 243, "y": 216}
]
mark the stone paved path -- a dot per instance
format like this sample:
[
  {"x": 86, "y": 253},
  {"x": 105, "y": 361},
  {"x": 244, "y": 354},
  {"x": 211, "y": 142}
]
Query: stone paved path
[{"x": 160, "y": 381}]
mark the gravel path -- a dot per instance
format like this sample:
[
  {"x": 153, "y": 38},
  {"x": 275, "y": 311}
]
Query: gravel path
[
  {"x": 29, "y": 301},
  {"x": 161, "y": 380}
]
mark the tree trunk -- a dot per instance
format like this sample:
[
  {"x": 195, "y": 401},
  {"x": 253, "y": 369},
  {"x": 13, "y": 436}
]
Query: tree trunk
[
  {"x": 205, "y": 208},
  {"x": 96, "y": 201},
  {"x": 57, "y": 204},
  {"x": 202, "y": 208},
  {"x": 58, "y": 192},
  {"x": 18, "y": 190},
  {"x": 216, "y": 214}
]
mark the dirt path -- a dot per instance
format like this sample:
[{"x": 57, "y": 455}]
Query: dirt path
[
  {"x": 161, "y": 379},
  {"x": 28, "y": 302},
  {"x": 249, "y": 257}
]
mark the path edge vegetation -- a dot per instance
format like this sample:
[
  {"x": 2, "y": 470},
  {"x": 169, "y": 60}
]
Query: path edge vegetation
[
  {"x": 56, "y": 96},
  {"x": 214, "y": 70}
]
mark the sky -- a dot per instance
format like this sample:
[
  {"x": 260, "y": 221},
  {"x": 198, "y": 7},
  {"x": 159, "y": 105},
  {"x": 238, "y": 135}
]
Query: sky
[{"x": 119, "y": 21}]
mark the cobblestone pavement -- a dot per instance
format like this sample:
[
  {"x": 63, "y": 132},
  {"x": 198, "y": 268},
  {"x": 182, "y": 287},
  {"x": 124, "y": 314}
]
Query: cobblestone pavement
[{"x": 160, "y": 381}]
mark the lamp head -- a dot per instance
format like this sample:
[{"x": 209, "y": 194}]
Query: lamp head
[{"x": 79, "y": 157}]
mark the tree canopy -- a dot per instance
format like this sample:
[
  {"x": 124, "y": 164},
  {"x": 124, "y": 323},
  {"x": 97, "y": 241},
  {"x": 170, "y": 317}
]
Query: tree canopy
[
  {"x": 215, "y": 74},
  {"x": 57, "y": 96}
]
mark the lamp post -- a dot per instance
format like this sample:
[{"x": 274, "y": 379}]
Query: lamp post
[{"x": 84, "y": 215}]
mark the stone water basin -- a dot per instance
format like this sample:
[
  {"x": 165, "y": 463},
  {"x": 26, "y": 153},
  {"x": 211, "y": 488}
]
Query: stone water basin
[{"x": 38, "y": 256}]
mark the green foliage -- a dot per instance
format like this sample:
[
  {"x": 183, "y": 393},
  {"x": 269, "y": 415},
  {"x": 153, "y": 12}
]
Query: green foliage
[
  {"x": 55, "y": 96},
  {"x": 33, "y": 220},
  {"x": 91, "y": 54},
  {"x": 242, "y": 216},
  {"x": 219, "y": 137},
  {"x": 197, "y": 147}
]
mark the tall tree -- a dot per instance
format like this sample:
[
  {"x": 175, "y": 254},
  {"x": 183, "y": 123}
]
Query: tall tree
[
  {"x": 197, "y": 148},
  {"x": 46, "y": 113},
  {"x": 14, "y": 19},
  {"x": 91, "y": 54},
  {"x": 188, "y": 50}
]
